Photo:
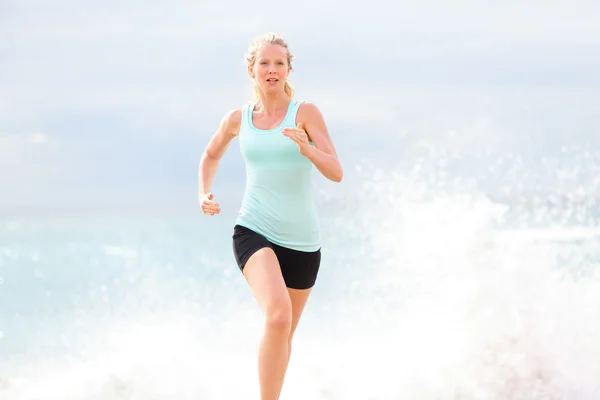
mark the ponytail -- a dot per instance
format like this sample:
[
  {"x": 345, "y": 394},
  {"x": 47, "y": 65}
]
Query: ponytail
[{"x": 289, "y": 90}]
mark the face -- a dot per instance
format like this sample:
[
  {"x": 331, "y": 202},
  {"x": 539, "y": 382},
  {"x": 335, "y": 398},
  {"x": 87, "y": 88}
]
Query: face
[{"x": 271, "y": 68}]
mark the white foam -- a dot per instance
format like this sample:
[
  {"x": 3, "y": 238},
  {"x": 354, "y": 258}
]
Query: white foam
[{"x": 450, "y": 307}]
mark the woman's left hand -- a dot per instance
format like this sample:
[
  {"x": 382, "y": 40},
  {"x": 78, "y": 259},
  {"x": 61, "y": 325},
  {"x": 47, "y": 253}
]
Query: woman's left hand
[{"x": 299, "y": 136}]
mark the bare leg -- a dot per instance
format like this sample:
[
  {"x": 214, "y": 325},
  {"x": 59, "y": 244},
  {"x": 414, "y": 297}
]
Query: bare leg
[
  {"x": 263, "y": 274},
  {"x": 298, "y": 298}
]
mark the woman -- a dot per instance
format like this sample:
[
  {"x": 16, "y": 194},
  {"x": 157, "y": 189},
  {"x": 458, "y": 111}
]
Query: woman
[{"x": 276, "y": 237}]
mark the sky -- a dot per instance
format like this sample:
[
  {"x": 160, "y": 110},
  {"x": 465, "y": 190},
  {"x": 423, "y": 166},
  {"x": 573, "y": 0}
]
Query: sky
[{"x": 112, "y": 103}]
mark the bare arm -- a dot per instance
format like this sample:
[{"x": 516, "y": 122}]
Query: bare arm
[
  {"x": 323, "y": 155},
  {"x": 218, "y": 144}
]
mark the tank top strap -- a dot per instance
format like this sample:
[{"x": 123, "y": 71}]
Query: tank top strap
[
  {"x": 293, "y": 112},
  {"x": 245, "y": 111}
]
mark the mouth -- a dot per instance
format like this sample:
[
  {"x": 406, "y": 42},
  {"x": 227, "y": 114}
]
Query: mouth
[{"x": 272, "y": 80}]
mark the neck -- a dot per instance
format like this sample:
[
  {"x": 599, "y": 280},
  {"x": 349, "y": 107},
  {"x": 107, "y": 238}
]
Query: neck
[{"x": 271, "y": 104}]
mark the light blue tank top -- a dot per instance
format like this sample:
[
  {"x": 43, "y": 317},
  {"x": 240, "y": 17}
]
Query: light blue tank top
[{"x": 278, "y": 199}]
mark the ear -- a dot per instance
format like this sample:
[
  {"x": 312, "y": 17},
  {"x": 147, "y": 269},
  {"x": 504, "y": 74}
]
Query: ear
[{"x": 251, "y": 72}]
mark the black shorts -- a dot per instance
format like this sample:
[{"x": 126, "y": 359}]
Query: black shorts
[{"x": 299, "y": 268}]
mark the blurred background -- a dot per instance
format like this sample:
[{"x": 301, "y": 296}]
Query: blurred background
[{"x": 460, "y": 253}]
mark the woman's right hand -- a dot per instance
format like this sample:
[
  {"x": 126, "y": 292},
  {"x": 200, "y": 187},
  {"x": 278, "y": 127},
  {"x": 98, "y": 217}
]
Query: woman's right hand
[{"x": 209, "y": 207}]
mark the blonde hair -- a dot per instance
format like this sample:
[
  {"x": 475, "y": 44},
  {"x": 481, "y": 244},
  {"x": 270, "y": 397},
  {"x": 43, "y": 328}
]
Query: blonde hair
[{"x": 255, "y": 46}]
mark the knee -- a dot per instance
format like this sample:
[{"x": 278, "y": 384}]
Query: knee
[{"x": 278, "y": 316}]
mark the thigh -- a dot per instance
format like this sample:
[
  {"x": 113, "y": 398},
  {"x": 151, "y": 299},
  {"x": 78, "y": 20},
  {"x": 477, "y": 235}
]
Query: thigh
[{"x": 263, "y": 273}]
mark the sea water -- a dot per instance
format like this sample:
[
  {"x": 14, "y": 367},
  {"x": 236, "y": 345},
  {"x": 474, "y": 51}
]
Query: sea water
[{"x": 426, "y": 291}]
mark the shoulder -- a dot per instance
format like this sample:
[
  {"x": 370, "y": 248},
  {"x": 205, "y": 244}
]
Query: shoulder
[
  {"x": 234, "y": 116},
  {"x": 232, "y": 120},
  {"x": 308, "y": 111},
  {"x": 310, "y": 115}
]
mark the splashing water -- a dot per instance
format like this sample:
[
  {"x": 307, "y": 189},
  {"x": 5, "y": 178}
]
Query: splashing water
[
  {"x": 425, "y": 294},
  {"x": 469, "y": 307}
]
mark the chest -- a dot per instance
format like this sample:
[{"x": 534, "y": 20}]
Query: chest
[
  {"x": 271, "y": 150},
  {"x": 267, "y": 122}
]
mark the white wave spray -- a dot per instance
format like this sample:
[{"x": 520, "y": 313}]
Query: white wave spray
[{"x": 424, "y": 294}]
